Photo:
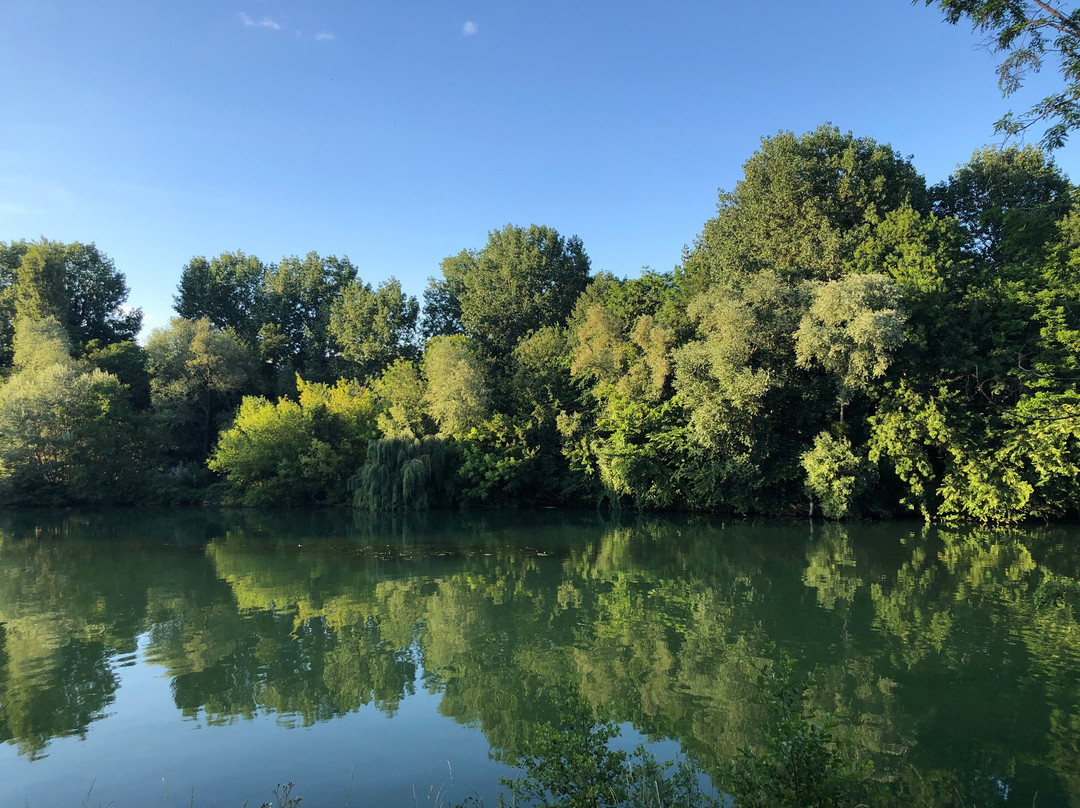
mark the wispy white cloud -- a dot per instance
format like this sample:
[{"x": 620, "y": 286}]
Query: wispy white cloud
[
  {"x": 325, "y": 36},
  {"x": 265, "y": 22},
  {"x": 469, "y": 28}
]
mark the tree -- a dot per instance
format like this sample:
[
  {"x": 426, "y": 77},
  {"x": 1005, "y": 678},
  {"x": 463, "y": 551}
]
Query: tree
[
  {"x": 197, "y": 373},
  {"x": 835, "y": 476},
  {"x": 652, "y": 293},
  {"x": 296, "y": 452},
  {"x": 442, "y": 298},
  {"x": 399, "y": 392},
  {"x": 1008, "y": 203},
  {"x": 127, "y": 362},
  {"x": 96, "y": 294},
  {"x": 226, "y": 290},
  {"x": 75, "y": 283},
  {"x": 67, "y": 432},
  {"x": 1028, "y": 33},
  {"x": 374, "y": 327},
  {"x": 457, "y": 394},
  {"x": 39, "y": 283},
  {"x": 297, "y": 296},
  {"x": 633, "y": 439},
  {"x": 852, "y": 329},
  {"x": 403, "y": 474},
  {"x": 522, "y": 280},
  {"x": 744, "y": 353},
  {"x": 10, "y": 256},
  {"x": 40, "y": 343},
  {"x": 802, "y": 209},
  {"x": 541, "y": 382}
]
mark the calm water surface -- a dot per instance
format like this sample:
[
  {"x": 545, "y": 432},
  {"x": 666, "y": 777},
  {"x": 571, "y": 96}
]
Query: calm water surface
[{"x": 201, "y": 657}]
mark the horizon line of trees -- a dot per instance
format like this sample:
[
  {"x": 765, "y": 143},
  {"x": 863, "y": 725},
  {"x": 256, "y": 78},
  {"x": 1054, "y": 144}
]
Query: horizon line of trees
[{"x": 840, "y": 339}]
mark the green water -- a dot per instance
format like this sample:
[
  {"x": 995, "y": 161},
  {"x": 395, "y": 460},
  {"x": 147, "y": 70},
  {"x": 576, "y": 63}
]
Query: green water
[{"x": 203, "y": 657}]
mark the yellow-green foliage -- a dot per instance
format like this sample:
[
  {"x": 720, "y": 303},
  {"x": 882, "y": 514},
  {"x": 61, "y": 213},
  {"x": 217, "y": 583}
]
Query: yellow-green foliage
[
  {"x": 294, "y": 453},
  {"x": 67, "y": 433},
  {"x": 835, "y": 475},
  {"x": 457, "y": 394}
]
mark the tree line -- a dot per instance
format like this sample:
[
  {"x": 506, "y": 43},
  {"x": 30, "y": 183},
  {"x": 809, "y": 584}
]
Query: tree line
[{"x": 841, "y": 339}]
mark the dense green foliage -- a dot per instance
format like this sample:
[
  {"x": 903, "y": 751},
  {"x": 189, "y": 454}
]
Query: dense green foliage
[
  {"x": 840, "y": 340},
  {"x": 76, "y": 284},
  {"x": 197, "y": 373},
  {"x": 403, "y": 474},
  {"x": 68, "y": 433},
  {"x": 295, "y": 452}
]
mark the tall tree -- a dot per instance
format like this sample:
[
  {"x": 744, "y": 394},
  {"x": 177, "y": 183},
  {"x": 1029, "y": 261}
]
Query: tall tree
[
  {"x": 10, "y": 257},
  {"x": 97, "y": 293},
  {"x": 522, "y": 280},
  {"x": 76, "y": 283},
  {"x": 399, "y": 392},
  {"x": 197, "y": 374},
  {"x": 297, "y": 296},
  {"x": 374, "y": 327},
  {"x": 442, "y": 298},
  {"x": 40, "y": 281},
  {"x": 67, "y": 432},
  {"x": 852, "y": 329},
  {"x": 1029, "y": 33},
  {"x": 1008, "y": 202},
  {"x": 802, "y": 208},
  {"x": 458, "y": 396},
  {"x": 226, "y": 290}
]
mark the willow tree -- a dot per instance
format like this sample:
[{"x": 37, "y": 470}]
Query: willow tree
[{"x": 404, "y": 474}]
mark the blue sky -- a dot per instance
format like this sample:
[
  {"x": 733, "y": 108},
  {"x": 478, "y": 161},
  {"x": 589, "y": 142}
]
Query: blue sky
[{"x": 401, "y": 132}]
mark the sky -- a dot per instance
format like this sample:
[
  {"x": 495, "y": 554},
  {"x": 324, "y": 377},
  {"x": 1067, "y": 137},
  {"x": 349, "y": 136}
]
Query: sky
[{"x": 398, "y": 133}]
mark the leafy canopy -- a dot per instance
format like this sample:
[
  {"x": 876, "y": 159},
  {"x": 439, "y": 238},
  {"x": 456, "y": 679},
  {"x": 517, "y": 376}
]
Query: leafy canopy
[{"x": 296, "y": 452}]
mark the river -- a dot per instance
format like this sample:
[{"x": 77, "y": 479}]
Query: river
[{"x": 202, "y": 657}]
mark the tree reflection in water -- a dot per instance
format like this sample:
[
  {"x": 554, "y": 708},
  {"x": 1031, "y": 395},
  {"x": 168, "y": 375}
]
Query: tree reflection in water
[{"x": 950, "y": 656}]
